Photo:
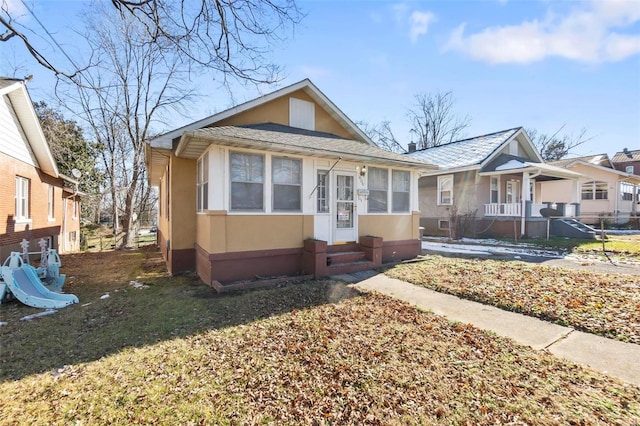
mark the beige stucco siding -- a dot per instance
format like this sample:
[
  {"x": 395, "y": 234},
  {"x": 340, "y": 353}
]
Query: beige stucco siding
[
  {"x": 182, "y": 203},
  {"x": 222, "y": 233},
  {"x": 277, "y": 111},
  {"x": 390, "y": 227}
]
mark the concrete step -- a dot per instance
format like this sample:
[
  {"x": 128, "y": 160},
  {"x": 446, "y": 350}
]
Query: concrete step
[
  {"x": 344, "y": 257},
  {"x": 347, "y": 268},
  {"x": 338, "y": 248}
]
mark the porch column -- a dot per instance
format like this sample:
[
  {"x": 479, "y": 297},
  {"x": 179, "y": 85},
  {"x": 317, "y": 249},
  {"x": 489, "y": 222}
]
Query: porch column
[{"x": 526, "y": 196}]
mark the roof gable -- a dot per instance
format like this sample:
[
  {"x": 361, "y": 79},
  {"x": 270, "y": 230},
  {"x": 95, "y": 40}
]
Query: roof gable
[
  {"x": 476, "y": 151},
  {"x": 304, "y": 90},
  {"x": 19, "y": 101}
]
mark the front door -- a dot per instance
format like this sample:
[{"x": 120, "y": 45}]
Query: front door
[
  {"x": 512, "y": 192},
  {"x": 345, "y": 227}
]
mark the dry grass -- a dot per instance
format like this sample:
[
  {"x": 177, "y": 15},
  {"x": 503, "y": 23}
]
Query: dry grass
[
  {"x": 315, "y": 353},
  {"x": 605, "y": 304}
]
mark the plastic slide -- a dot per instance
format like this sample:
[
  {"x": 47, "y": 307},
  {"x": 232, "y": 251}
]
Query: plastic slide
[{"x": 25, "y": 285}]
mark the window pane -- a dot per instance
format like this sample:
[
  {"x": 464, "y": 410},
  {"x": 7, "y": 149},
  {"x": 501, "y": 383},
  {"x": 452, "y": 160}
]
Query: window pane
[
  {"x": 400, "y": 196},
  {"x": 400, "y": 201},
  {"x": 378, "y": 182},
  {"x": 247, "y": 176},
  {"x": 286, "y": 171},
  {"x": 246, "y": 196},
  {"x": 286, "y": 197},
  {"x": 247, "y": 167},
  {"x": 322, "y": 201}
]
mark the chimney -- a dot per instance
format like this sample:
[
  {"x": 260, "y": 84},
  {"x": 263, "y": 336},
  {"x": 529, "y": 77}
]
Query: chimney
[
  {"x": 412, "y": 147},
  {"x": 626, "y": 151}
]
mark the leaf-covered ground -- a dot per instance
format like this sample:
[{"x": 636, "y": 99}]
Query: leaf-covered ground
[
  {"x": 600, "y": 303},
  {"x": 364, "y": 360},
  {"x": 314, "y": 353}
]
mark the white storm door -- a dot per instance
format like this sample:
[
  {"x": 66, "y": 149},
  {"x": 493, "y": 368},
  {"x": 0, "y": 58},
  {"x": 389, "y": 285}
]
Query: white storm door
[
  {"x": 513, "y": 192},
  {"x": 345, "y": 220}
]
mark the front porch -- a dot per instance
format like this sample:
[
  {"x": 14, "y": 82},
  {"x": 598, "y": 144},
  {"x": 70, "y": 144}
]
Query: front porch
[{"x": 531, "y": 209}]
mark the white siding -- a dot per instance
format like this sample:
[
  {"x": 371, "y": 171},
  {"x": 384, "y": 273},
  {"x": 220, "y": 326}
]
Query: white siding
[
  {"x": 13, "y": 141},
  {"x": 302, "y": 114}
]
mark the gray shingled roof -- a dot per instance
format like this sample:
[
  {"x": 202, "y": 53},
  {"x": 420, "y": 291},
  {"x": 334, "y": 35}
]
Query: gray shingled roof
[
  {"x": 464, "y": 153},
  {"x": 597, "y": 159},
  {"x": 194, "y": 142}
]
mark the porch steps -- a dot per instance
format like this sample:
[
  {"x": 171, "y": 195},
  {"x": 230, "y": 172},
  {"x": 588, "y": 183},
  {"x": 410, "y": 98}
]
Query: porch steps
[
  {"x": 572, "y": 228},
  {"x": 346, "y": 258}
]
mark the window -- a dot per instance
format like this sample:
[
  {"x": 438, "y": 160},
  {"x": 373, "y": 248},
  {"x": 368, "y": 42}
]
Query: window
[
  {"x": 626, "y": 191},
  {"x": 322, "y": 197},
  {"x": 628, "y": 169},
  {"x": 443, "y": 224},
  {"x": 22, "y": 198},
  {"x": 74, "y": 206},
  {"x": 445, "y": 190},
  {"x": 400, "y": 186},
  {"x": 167, "y": 198},
  {"x": 247, "y": 181},
  {"x": 50, "y": 198},
  {"x": 287, "y": 177},
  {"x": 378, "y": 187},
  {"x": 495, "y": 189},
  {"x": 595, "y": 191},
  {"x": 202, "y": 184},
  {"x": 302, "y": 114}
]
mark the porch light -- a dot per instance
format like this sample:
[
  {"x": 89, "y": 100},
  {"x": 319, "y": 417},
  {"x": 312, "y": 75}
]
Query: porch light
[{"x": 362, "y": 170}]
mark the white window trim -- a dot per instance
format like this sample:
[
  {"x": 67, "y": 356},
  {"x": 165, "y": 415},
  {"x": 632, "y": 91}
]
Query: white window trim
[
  {"x": 21, "y": 216},
  {"x": 202, "y": 182},
  {"x": 272, "y": 184},
  {"x": 393, "y": 210},
  {"x": 439, "y": 190},
  {"x": 628, "y": 169},
  {"x": 498, "y": 180},
  {"x": 266, "y": 188},
  {"x": 327, "y": 198},
  {"x": 388, "y": 191},
  {"x": 51, "y": 210},
  {"x": 440, "y": 224}
]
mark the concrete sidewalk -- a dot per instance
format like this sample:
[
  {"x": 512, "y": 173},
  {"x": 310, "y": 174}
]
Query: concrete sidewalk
[{"x": 618, "y": 359}]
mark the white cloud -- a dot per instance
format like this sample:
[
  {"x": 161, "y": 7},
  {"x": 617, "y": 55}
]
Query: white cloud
[
  {"x": 587, "y": 35},
  {"x": 420, "y": 24}
]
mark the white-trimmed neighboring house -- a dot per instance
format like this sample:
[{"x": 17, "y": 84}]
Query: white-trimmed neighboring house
[
  {"x": 490, "y": 186},
  {"x": 36, "y": 200},
  {"x": 605, "y": 193}
]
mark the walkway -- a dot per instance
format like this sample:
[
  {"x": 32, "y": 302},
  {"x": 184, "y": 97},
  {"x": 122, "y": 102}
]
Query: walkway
[{"x": 618, "y": 359}]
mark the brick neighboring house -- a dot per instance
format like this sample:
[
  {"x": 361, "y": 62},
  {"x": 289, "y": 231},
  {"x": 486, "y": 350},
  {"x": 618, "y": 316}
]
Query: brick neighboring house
[
  {"x": 627, "y": 161},
  {"x": 36, "y": 201}
]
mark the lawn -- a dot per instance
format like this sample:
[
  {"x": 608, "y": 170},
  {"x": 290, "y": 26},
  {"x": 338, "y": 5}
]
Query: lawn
[
  {"x": 605, "y": 304},
  {"x": 619, "y": 247},
  {"x": 313, "y": 353}
]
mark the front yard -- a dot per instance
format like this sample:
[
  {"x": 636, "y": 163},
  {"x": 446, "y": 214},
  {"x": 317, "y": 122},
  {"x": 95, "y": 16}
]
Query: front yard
[
  {"x": 313, "y": 353},
  {"x": 605, "y": 304}
]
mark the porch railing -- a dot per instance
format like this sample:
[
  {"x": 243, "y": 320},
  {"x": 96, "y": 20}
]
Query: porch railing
[{"x": 503, "y": 209}]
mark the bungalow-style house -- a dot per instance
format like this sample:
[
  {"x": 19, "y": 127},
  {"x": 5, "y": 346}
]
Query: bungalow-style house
[
  {"x": 36, "y": 201},
  {"x": 627, "y": 161},
  {"x": 606, "y": 193},
  {"x": 285, "y": 184},
  {"x": 489, "y": 186}
]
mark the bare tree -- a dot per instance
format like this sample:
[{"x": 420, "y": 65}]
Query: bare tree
[
  {"x": 382, "y": 135},
  {"x": 555, "y": 146},
  {"x": 132, "y": 83},
  {"x": 231, "y": 36},
  {"x": 433, "y": 120}
]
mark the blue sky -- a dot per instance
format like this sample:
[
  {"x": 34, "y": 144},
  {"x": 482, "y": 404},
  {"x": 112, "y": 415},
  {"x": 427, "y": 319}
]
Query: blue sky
[{"x": 536, "y": 64}]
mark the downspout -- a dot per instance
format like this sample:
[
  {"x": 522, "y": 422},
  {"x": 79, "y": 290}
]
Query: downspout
[
  {"x": 64, "y": 225},
  {"x": 525, "y": 196}
]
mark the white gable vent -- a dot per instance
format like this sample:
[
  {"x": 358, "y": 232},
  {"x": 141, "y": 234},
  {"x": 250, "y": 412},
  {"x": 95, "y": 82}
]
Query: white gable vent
[{"x": 302, "y": 114}]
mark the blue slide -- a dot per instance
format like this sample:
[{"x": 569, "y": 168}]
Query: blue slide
[{"x": 25, "y": 285}]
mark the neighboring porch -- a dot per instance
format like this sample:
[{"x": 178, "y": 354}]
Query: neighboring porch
[{"x": 514, "y": 190}]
